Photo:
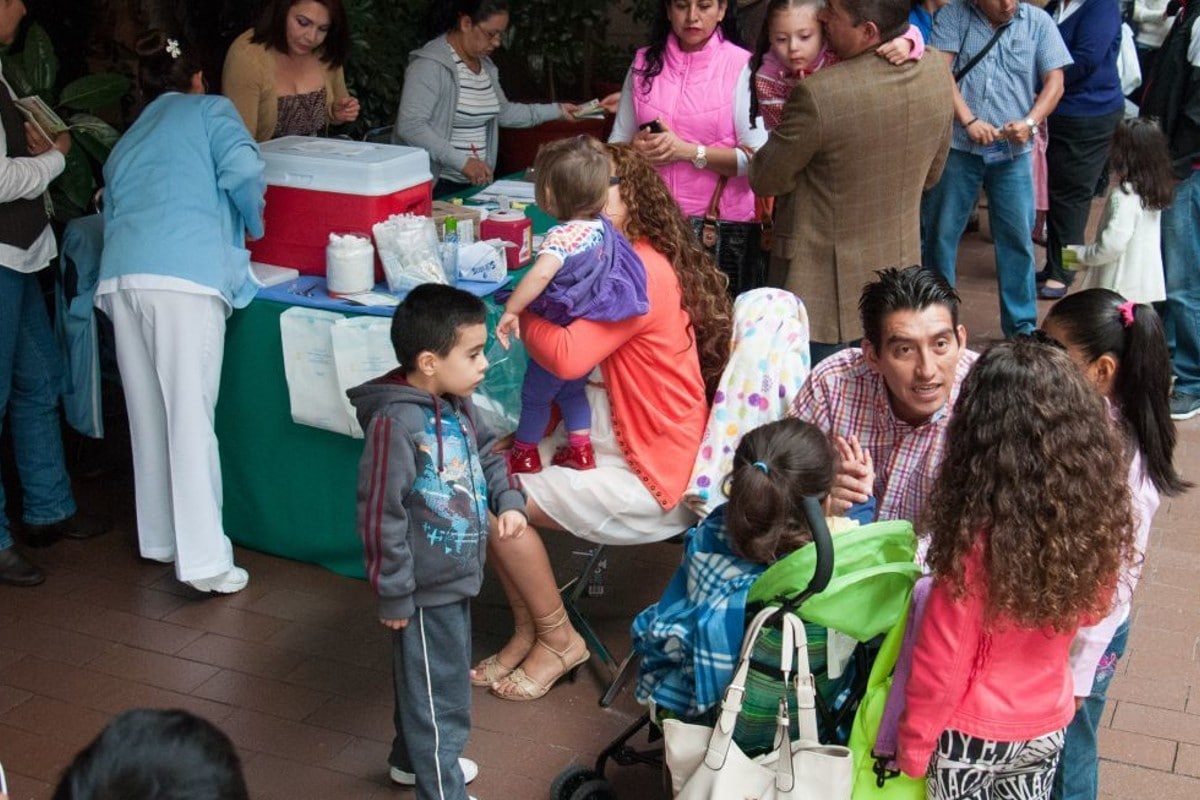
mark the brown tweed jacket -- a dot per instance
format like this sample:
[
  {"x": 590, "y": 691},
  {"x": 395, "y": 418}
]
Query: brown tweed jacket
[{"x": 858, "y": 143}]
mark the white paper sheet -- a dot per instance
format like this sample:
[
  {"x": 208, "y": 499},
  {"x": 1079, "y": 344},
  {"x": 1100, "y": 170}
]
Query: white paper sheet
[
  {"x": 325, "y": 354},
  {"x": 362, "y": 351},
  {"x": 308, "y": 363},
  {"x": 521, "y": 191}
]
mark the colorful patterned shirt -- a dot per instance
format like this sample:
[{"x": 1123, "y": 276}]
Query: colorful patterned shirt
[{"x": 843, "y": 395}]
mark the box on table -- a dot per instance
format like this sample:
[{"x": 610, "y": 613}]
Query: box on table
[
  {"x": 320, "y": 186},
  {"x": 443, "y": 209}
]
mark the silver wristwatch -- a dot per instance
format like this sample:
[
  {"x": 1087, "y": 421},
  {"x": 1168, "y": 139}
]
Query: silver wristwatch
[
  {"x": 1032, "y": 126},
  {"x": 701, "y": 159}
]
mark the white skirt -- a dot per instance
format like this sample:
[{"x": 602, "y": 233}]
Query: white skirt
[{"x": 608, "y": 504}]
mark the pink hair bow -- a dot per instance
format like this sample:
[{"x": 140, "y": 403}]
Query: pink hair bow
[{"x": 1126, "y": 310}]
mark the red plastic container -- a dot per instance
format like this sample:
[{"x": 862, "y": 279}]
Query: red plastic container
[
  {"x": 511, "y": 226},
  {"x": 320, "y": 186}
]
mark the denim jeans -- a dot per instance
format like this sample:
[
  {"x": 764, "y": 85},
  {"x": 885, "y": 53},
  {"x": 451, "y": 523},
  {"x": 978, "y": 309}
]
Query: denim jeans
[
  {"x": 1181, "y": 263},
  {"x": 30, "y": 384},
  {"x": 944, "y": 212},
  {"x": 1078, "y": 771}
]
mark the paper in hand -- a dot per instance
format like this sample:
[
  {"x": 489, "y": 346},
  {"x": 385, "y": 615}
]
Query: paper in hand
[{"x": 42, "y": 117}]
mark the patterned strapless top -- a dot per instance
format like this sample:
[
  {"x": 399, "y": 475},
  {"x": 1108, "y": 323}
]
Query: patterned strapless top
[{"x": 301, "y": 114}]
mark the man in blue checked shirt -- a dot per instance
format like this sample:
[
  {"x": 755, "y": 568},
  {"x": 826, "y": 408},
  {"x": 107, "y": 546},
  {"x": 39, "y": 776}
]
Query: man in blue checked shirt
[{"x": 1000, "y": 52}]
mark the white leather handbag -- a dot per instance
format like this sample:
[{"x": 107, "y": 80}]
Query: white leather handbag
[{"x": 706, "y": 764}]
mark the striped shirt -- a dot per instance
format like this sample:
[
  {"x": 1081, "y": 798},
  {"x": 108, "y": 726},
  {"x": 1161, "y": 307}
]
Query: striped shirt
[
  {"x": 1004, "y": 85},
  {"x": 477, "y": 106},
  {"x": 843, "y": 395}
]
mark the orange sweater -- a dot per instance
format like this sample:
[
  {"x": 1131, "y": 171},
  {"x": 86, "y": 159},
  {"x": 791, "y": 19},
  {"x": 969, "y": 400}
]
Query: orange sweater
[{"x": 651, "y": 372}]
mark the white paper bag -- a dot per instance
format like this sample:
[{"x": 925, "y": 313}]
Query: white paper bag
[
  {"x": 362, "y": 350},
  {"x": 308, "y": 363}
]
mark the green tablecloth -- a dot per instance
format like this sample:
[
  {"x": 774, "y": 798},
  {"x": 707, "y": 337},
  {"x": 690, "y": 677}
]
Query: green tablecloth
[{"x": 289, "y": 489}]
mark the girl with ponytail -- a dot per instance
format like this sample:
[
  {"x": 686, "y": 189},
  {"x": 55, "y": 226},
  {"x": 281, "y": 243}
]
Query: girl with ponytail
[
  {"x": 687, "y": 638},
  {"x": 1120, "y": 347}
]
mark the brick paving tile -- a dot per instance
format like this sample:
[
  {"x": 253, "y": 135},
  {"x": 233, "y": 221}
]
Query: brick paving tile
[{"x": 297, "y": 671}]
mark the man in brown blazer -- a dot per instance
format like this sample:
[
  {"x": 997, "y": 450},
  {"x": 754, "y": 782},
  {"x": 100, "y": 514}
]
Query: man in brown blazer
[{"x": 858, "y": 143}]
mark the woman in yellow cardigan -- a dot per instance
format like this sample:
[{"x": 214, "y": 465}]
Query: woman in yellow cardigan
[{"x": 284, "y": 75}]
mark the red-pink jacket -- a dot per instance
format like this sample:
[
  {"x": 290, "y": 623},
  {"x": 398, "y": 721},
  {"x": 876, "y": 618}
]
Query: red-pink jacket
[{"x": 1005, "y": 683}]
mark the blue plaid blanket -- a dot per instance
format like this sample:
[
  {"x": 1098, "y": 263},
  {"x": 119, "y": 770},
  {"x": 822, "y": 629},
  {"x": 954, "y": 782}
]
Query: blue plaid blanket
[{"x": 689, "y": 640}]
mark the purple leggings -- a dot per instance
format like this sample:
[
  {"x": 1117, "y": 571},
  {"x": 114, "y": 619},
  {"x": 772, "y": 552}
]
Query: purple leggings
[{"x": 542, "y": 389}]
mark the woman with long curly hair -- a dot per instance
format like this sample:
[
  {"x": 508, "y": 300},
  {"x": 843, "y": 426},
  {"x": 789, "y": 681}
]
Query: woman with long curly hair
[
  {"x": 652, "y": 214},
  {"x": 1031, "y": 524},
  {"x": 648, "y": 414}
]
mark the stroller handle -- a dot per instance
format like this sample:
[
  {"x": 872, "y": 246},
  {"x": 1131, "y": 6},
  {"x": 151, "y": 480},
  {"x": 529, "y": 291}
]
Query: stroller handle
[{"x": 823, "y": 569}]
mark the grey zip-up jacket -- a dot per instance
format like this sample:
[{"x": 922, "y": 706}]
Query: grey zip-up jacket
[
  {"x": 430, "y": 96},
  {"x": 426, "y": 481}
]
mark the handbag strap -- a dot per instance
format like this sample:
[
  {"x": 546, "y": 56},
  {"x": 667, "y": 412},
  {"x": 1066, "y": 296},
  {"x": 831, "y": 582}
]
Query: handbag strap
[
  {"x": 714, "y": 204},
  {"x": 889, "y": 723},
  {"x": 795, "y": 667},
  {"x": 970, "y": 65}
]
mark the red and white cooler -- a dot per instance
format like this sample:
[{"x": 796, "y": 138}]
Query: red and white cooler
[{"x": 320, "y": 186}]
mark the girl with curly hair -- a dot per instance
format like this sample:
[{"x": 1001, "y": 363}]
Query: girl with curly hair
[
  {"x": 1119, "y": 346},
  {"x": 648, "y": 413},
  {"x": 1031, "y": 524}
]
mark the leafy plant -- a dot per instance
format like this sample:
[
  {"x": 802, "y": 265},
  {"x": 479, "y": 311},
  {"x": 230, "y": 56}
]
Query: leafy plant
[
  {"x": 560, "y": 41},
  {"x": 383, "y": 32},
  {"x": 34, "y": 71}
]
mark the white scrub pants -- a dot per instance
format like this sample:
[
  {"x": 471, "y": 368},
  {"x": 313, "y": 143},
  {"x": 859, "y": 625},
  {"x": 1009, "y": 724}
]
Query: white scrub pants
[{"x": 169, "y": 349}]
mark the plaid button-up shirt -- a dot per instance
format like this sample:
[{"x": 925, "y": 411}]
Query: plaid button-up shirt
[{"x": 844, "y": 396}]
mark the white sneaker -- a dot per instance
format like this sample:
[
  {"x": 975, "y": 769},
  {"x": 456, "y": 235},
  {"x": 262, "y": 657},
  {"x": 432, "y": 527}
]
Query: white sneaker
[
  {"x": 226, "y": 583},
  {"x": 469, "y": 770}
]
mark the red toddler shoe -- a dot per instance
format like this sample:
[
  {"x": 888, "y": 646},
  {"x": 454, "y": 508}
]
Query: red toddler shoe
[
  {"x": 579, "y": 456},
  {"x": 523, "y": 459}
]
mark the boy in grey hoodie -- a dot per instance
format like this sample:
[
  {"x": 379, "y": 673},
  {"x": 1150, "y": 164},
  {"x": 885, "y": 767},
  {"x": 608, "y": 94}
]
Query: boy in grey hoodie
[{"x": 426, "y": 482}]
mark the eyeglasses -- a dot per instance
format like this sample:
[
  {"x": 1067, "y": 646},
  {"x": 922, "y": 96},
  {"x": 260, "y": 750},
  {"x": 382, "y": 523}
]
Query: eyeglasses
[{"x": 493, "y": 36}]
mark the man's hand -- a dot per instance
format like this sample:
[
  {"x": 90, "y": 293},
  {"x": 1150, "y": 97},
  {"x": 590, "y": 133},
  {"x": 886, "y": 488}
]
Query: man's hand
[
  {"x": 855, "y": 480},
  {"x": 983, "y": 133},
  {"x": 511, "y": 524},
  {"x": 1017, "y": 131},
  {"x": 394, "y": 624}
]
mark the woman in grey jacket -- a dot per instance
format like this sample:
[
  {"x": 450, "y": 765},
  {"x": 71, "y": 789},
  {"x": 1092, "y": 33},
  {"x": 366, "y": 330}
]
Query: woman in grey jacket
[{"x": 452, "y": 104}]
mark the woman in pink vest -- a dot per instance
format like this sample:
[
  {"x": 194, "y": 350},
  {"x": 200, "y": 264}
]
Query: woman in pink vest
[{"x": 692, "y": 83}]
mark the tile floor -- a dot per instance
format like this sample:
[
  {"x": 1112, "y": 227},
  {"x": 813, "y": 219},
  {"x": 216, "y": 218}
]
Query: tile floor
[{"x": 296, "y": 670}]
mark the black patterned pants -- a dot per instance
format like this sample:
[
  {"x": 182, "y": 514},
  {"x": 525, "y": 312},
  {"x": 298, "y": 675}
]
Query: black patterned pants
[{"x": 968, "y": 768}]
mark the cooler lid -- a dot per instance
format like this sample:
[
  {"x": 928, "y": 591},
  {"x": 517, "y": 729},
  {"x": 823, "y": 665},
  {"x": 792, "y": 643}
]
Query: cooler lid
[{"x": 342, "y": 165}]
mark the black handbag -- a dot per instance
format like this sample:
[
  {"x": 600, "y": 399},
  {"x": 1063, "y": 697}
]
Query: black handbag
[{"x": 740, "y": 249}]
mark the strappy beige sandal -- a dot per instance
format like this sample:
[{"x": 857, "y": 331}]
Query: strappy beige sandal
[
  {"x": 492, "y": 669},
  {"x": 518, "y": 686}
]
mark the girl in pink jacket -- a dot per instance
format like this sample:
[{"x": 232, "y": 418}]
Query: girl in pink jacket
[{"x": 1031, "y": 523}]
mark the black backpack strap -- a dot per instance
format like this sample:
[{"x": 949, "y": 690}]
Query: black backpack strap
[{"x": 970, "y": 65}]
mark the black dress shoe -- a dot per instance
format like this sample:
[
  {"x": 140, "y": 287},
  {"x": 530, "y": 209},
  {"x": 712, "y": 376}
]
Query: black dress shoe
[
  {"x": 76, "y": 526},
  {"x": 17, "y": 570}
]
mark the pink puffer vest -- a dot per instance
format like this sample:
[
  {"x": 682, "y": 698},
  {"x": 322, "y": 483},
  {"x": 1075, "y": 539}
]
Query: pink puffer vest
[{"x": 694, "y": 95}]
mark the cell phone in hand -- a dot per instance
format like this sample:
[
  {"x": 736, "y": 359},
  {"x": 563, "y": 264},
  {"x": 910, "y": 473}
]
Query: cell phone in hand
[{"x": 653, "y": 126}]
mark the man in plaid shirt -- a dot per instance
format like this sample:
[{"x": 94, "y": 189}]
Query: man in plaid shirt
[{"x": 893, "y": 396}]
